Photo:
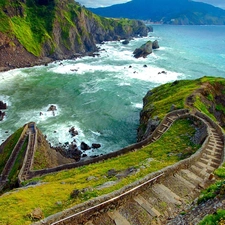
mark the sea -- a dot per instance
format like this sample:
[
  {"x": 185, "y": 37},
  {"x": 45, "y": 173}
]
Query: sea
[{"x": 102, "y": 96}]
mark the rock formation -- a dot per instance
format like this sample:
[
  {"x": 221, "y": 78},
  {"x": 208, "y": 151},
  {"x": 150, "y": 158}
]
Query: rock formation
[
  {"x": 145, "y": 49},
  {"x": 3, "y": 106}
]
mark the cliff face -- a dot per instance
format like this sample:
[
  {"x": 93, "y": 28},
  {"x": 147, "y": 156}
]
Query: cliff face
[{"x": 39, "y": 31}]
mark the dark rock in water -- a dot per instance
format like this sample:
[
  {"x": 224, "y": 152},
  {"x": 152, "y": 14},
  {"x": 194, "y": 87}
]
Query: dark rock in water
[
  {"x": 52, "y": 108},
  {"x": 155, "y": 44},
  {"x": 94, "y": 156},
  {"x": 125, "y": 42},
  {"x": 3, "y": 105},
  {"x": 73, "y": 152},
  {"x": 130, "y": 66},
  {"x": 2, "y": 115},
  {"x": 73, "y": 131},
  {"x": 144, "y": 50},
  {"x": 84, "y": 155},
  {"x": 95, "y": 145},
  {"x": 162, "y": 72},
  {"x": 145, "y": 66},
  {"x": 84, "y": 146}
]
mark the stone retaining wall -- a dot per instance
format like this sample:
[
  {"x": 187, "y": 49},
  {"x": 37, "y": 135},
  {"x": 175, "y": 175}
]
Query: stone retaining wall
[{"x": 9, "y": 161}]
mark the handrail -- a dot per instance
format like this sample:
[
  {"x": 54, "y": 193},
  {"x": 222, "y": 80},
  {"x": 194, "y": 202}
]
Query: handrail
[{"x": 110, "y": 200}]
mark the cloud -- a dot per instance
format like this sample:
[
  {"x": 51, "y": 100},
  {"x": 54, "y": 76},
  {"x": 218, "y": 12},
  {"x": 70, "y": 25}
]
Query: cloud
[{"x": 100, "y": 3}]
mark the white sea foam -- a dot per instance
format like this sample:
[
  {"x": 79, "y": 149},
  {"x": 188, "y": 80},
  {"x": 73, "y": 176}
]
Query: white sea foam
[
  {"x": 9, "y": 75},
  {"x": 59, "y": 133},
  {"x": 4, "y": 134},
  {"x": 37, "y": 115},
  {"x": 137, "y": 105},
  {"x": 5, "y": 99}
]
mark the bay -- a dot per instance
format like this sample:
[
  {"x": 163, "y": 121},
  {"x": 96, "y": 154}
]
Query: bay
[{"x": 102, "y": 96}]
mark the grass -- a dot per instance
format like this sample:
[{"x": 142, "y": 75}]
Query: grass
[
  {"x": 163, "y": 97},
  {"x": 217, "y": 218},
  {"x": 215, "y": 190},
  {"x": 57, "y": 187},
  {"x": 200, "y": 94},
  {"x": 6, "y": 150}
]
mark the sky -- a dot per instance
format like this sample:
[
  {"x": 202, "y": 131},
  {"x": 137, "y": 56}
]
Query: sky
[{"x": 103, "y": 3}]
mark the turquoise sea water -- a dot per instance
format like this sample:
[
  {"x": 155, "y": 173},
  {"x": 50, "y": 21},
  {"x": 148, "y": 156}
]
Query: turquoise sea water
[{"x": 102, "y": 97}]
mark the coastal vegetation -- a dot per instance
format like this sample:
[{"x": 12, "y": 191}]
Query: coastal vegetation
[
  {"x": 43, "y": 31},
  {"x": 205, "y": 94}
]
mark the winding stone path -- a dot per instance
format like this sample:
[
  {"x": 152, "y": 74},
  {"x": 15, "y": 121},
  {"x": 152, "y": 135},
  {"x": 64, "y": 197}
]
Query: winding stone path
[
  {"x": 159, "y": 200},
  {"x": 153, "y": 200}
]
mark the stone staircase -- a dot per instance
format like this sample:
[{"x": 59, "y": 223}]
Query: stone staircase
[{"x": 160, "y": 201}]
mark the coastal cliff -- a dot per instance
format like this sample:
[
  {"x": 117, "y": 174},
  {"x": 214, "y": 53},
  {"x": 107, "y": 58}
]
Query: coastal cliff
[
  {"x": 39, "y": 31},
  {"x": 205, "y": 94}
]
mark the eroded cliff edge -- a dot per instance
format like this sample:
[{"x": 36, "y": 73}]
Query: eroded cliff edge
[
  {"x": 39, "y": 31},
  {"x": 205, "y": 94}
]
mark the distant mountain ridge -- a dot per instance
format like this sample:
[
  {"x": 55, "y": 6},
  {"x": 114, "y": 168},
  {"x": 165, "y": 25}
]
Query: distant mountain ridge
[{"x": 179, "y": 12}]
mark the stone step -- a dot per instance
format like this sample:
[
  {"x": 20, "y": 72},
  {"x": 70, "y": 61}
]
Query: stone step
[
  {"x": 134, "y": 213},
  {"x": 167, "y": 194},
  {"x": 213, "y": 153},
  {"x": 147, "y": 206},
  {"x": 118, "y": 218},
  {"x": 213, "y": 158},
  {"x": 204, "y": 165},
  {"x": 159, "y": 203},
  {"x": 210, "y": 162},
  {"x": 164, "y": 128},
  {"x": 203, "y": 173},
  {"x": 182, "y": 187},
  {"x": 191, "y": 177},
  {"x": 170, "y": 119},
  {"x": 101, "y": 220},
  {"x": 216, "y": 144}
]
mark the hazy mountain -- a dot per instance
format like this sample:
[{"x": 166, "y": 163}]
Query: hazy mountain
[{"x": 166, "y": 11}]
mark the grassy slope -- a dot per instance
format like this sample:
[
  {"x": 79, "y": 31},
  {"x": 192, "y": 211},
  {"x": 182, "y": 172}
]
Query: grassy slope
[
  {"x": 160, "y": 99},
  {"x": 53, "y": 194}
]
